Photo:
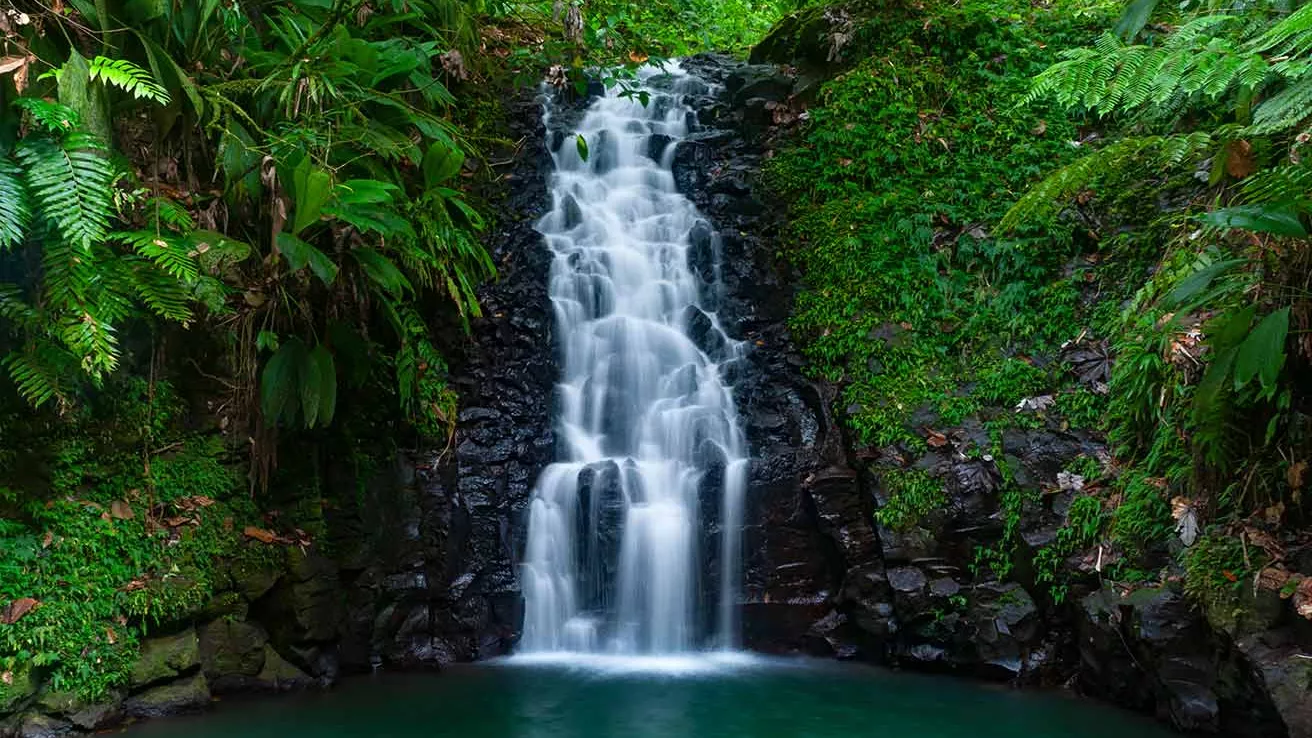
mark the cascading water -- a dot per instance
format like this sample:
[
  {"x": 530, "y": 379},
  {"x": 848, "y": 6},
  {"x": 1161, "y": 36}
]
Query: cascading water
[{"x": 646, "y": 425}]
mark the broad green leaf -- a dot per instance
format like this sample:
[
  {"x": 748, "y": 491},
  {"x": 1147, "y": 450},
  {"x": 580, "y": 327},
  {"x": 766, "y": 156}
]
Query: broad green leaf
[
  {"x": 215, "y": 250},
  {"x": 311, "y": 387},
  {"x": 1195, "y": 283},
  {"x": 77, "y": 92},
  {"x": 1278, "y": 220},
  {"x": 313, "y": 188},
  {"x": 441, "y": 162},
  {"x": 1262, "y": 354},
  {"x": 280, "y": 380},
  {"x": 322, "y": 371},
  {"x": 299, "y": 253},
  {"x": 581, "y": 144},
  {"x": 382, "y": 271}
]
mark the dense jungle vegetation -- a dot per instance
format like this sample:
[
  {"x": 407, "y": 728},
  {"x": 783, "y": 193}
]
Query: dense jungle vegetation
[{"x": 227, "y": 228}]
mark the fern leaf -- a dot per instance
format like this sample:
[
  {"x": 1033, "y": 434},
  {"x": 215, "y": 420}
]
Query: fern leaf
[
  {"x": 1285, "y": 110},
  {"x": 14, "y": 307},
  {"x": 15, "y": 214},
  {"x": 37, "y": 373},
  {"x": 128, "y": 77},
  {"x": 49, "y": 116},
  {"x": 168, "y": 253},
  {"x": 71, "y": 182}
]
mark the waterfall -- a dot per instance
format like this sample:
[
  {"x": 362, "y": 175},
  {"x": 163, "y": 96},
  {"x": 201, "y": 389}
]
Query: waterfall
[{"x": 646, "y": 425}]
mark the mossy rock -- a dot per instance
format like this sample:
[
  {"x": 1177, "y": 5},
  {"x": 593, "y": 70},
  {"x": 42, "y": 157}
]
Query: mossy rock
[
  {"x": 165, "y": 658},
  {"x": 37, "y": 725},
  {"x": 280, "y": 674},
  {"x": 232, "y": 648},
  {"x": 14, "y": 691},
  {"x": 189, "y": 694}
]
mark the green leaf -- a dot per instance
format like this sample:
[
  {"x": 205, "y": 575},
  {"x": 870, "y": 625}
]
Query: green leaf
[
  {"x": 299, "y": 253},
  {"x": 1262, "y": 354},
  {"x": 15, "y": 213},
  {"x": 1278, "y": 220},
  {"x": 382, "y": 271},
  {"x": 280, "y": 380},
  {"x": 581, "y": 144},
  {"x": 215, "y": 250},
  {"x": 266, "y": 340},
  {"x": 1198, "y": 281},
  {"x": 313, "y": 188},
  {"x": 319, "y": 387},
  {"x": 76, "y": 92},
  {"x": 441, "y": 162}
]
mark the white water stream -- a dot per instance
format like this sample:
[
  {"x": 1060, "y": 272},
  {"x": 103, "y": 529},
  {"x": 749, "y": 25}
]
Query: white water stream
[{"x": 644, "y": 420}]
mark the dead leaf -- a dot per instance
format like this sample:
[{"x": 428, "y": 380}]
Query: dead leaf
[
  {"x": 1272, "y": 579},
  {"x": 19, "y": 66},
  {"x": 17, "y": 609},
  {"x": 637, "y": 57},
  {"x": 7, "y": 678},
  {"x": 1303, "y": 598},
  {"x": 134, "y": 585},
  {"x": 1186, "y": 519},
  {"x": 121, "y": 510},
  {"x": 1040, "y": 129},
  {"x": 1239, "y": 159},
  {"x": 935, "y": 439},
  {"x": 1295, "y": 474},
  {"x": 260, "y": 534},
  {"x": 110, "y": 636},
  {"x": 1266, "y": 542},
  {"x": 47, "y": 540}
]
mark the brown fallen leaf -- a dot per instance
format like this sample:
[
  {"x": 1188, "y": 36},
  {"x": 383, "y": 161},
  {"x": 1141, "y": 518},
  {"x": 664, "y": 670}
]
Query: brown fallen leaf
[
  {"x": 17, "y": 609},
  {"x": 935, "y": 439},
  {"x": 260, "y": 534},
  {"x": 110, "y": 636},
  {"x": 1296, "y": 473},
  {"x": 7, "y": 677},
  {"x": 121, "y": 510},
  {"x": 1303, "y": 598},
  {"x": 1239, "y": 159},
  {"x": 1272, "y": 579},
  {"x": 47, "y": 540}
]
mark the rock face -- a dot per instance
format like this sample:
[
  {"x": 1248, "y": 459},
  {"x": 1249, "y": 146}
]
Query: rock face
[{"x": 823, "y": 576}]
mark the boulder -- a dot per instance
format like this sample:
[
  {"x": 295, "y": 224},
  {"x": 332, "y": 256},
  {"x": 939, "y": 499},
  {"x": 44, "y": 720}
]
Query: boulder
[
  {"x": 231, "y": 649},
  {"x": 37, "y": 725},
  {"x": 165, "y": 658},
  {"x": 21, "y": 685},
  {"x": 189, "y": 694}
]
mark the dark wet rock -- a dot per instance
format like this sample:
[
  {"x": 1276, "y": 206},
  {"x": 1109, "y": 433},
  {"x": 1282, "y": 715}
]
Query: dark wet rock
[
  {"x": 906, "y": 579},
  {"x": 190, "y": 694},
  {"x": 231, "y": 650},
  {"x": 165, "y": 658},
  {"x": 760, "y": 81},
  {"x": 704, "y": 333},
  {"x": 100, "y": 715},
  {"x": 37, "y": 725},
  {"x": 657, "y": 143}
]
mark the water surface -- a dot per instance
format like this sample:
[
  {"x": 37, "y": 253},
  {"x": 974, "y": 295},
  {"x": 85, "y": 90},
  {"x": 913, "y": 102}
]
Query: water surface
[{"x": 669, "y": 697}]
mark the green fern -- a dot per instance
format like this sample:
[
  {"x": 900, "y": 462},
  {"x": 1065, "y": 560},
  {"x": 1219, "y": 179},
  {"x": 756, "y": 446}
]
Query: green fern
[
  {"x": 15, "y": 213},
  {"x": 71, "y": 182},
  {"x": 49, "y": 116},
  {"x": 128, "y": 77},
  {"x": 38, "y": 373},
  {"x": 167, "y": 252},
  {"x": 1052, "y": 193}
]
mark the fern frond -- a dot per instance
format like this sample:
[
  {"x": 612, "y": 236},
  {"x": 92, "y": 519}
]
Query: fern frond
[
  {"x": 15, "y": 213},
  {"x": 71, "y": 182},
  {"x": 1284, "y": 110},
  {"x": 38, "y": 372},
  {"x": 1290, "y": 37},
  {"x": 14, "y": 307},
  {"x": 49, "y": 116},
  {"x": 128, "y": 77},
  {"x": 162, "y": 293},
  {"x": 165, "y": 212},
  {"x": 167, "y": 252},
  {"x": 1117, "y": 159}
]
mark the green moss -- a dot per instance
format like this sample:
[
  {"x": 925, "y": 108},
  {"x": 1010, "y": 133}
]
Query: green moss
[{"x": 912, "y": 494}]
